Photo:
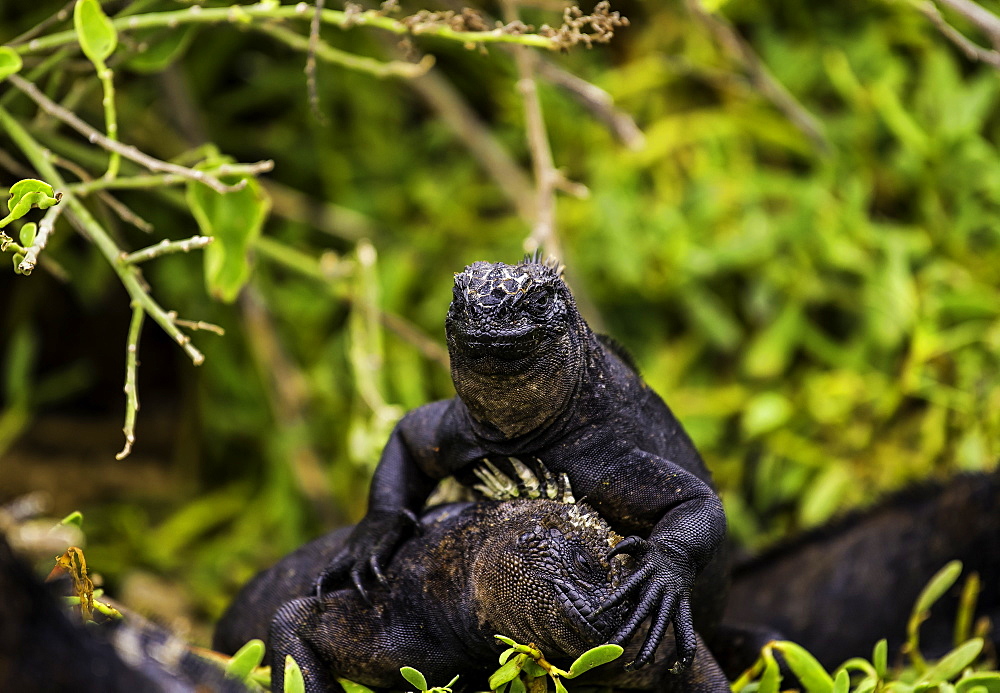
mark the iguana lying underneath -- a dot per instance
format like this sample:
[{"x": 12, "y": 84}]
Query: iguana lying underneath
[
  {"x": 534, "y": 381},
  {"x": 532, "y": 569},
  {"x": 836, "y": 590}
]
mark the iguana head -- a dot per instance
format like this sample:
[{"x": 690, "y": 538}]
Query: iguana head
[
  {"x": 542, "y": 573},
  {"x": 515, "y": 339}
]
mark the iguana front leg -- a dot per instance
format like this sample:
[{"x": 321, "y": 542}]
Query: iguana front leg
[
  {"x": 688, "y": 527},
  {"x": 398, "y": 490}
]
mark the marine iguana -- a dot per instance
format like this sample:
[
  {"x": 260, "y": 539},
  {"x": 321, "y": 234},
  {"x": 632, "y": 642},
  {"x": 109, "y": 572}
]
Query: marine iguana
[
  {"x": 532, "y": 568},
  {"x": 840, "y": 588},
  {"x": 532, "y": 379}
]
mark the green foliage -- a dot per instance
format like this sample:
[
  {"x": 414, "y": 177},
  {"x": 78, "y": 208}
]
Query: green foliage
[
  {"x": 97, "y": 36},
  {"x": 419, "y": 682},
  {"x": 294, "y": 683},
  {"x": 10, "y": 62},
  {"x": 522, "y": 666},
  {"x": 245, "y": 660},
  {"x": 824, "y": 321},
  {"x": 956, "y": 670}
]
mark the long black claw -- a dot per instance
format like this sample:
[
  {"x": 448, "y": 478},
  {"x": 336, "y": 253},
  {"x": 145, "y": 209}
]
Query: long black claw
[
  {"x": 649, "y": 600},
  {"x": 656, "y": 630},
  {"x": 634, "y": 581},
  {"x": 356, "y": 579},
  {"x": 377, "y": 570},
  {"x": 629, "y": 544},
  {"x": 685, "y": 639}
]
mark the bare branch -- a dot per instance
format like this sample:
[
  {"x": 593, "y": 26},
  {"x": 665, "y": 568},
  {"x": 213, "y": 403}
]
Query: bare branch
[
  {"x": 768, "y": 86},
  {"x": 985, "y": 21},
  {"x": 166, "y": 247},
  {"x": 546, "y": 177},
  {"x": 129, "y": 152},
  {"x": 597, "y": 101},
  {"x": 45, "y": 227},
  {"x": 972, "y": 50},
  {"x": 131, "y": 382}
]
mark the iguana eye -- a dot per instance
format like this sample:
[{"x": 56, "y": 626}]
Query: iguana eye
[{"x": 538, "y": 302}]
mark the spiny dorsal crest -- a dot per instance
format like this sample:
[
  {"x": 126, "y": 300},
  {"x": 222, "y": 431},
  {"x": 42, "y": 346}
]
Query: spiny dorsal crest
[{"x": 524, "y": 483}]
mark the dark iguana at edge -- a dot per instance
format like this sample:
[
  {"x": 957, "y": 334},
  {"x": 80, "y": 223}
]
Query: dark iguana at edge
[
  {"x": 533, "y": 569},
  {"x": 534, "y": 381}
]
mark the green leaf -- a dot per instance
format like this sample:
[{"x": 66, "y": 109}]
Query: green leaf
[
  {"x": 989, "y": 681},
  {"x": 765, "y": 412},
  {"x": 27, "y": 234},
  {"x": 594, "y": 657},
  {"x": 10, "y": 62},
  {"x": 26, "y": 194},
  {"x": 505, "y": 655},
  {"x": 517, "y": 685},
  {"x": 951, "y": 665},
  {"x": 294, "y": 683},
  {"x": 246, "y": 659},
  {"x": 94, "y": 31},
  {"x": 235, "y": 220},
  {"x": 18, "y": 259},
  {"x": 938, "y": 585},
  {"x": 452, "y": 682},
  {"x": 867, "y": 685},
  {"x": 505, "y": 640},
  {"x": 842, "y": 682},
  {"x": 533, "y": 669},
  {"x": 161, "y": 49},
  {"x": 351, "y": 687},
  {"x": 772, "y": 676},
  {"x": 560, "y": 687},
  {"x": 414, "y": 677},
  {"x": 507, "y": 672},
  {"x": 811, "y": 673},
  {"x": 75, "y": 518},
  {"x": 880, "y": 657}
]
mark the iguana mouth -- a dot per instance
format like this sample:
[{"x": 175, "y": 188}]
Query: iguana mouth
[{"x": 581, "y": 613}]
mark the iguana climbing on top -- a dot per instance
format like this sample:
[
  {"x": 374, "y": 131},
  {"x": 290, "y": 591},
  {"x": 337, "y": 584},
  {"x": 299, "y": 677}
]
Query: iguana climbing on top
[{"x": 533, "y": 380}]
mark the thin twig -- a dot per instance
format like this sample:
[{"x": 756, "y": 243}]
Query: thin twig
[
  {"x": 543, "y": 233},
  {"x": 439, "y": 93},
  {"x": 129, "y": 152},
  {"x": 80, "y": 215},
  {"x": 166, "y": 247},
  {"x": 131, "y": 382},
  {"x": 310, "y": 68},
  {"x": 768, "y": 86},
  {"x": 61, "y": 16},
  {"x": 240, "y": 14},
  {"x": 200, "y": 325},
  {"x": 116, "y": 205},
  {"x": 595, "y": 100},
  {"x": 328, "y": 53},
  {"x": 985, "y": 21},
  {"x": 156, "y": 180},
  {"x": 972, "y": 50},
  {"x": 45, "y": 227}
]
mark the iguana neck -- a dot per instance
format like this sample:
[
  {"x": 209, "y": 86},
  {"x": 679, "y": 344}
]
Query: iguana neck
[{"x": 513, "y": 405}]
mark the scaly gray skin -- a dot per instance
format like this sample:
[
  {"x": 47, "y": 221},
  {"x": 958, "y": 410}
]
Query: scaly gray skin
[
  {"x": 533, "y": 569},
  {"x": 533, "y": 380}
]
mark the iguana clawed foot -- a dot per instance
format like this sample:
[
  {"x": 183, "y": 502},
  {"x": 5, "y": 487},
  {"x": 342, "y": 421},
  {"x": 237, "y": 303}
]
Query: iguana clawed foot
[{"x": 665, "y": 582}]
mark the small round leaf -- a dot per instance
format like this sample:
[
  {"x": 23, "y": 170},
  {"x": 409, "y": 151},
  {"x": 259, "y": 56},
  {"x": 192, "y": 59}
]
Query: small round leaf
[
  {"x": 27, "y": 234},
  {"x": 294, "y": 683},
  {"x": 811, "y": 673},
  {"x": 10, "y": 62},
  {"x": 351, "y": 687},
  {"x": 938, "y": 585},
  {"x": 246, "y": 659},
  {"x": 594, "y": 657},
  {"x": 414, "y": 677},
  {"x": 507, "y": 672},
  {"x": 94, "y": 31}
]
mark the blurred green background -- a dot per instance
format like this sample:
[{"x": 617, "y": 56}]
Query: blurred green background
[{"x": 820, "y": 308}]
